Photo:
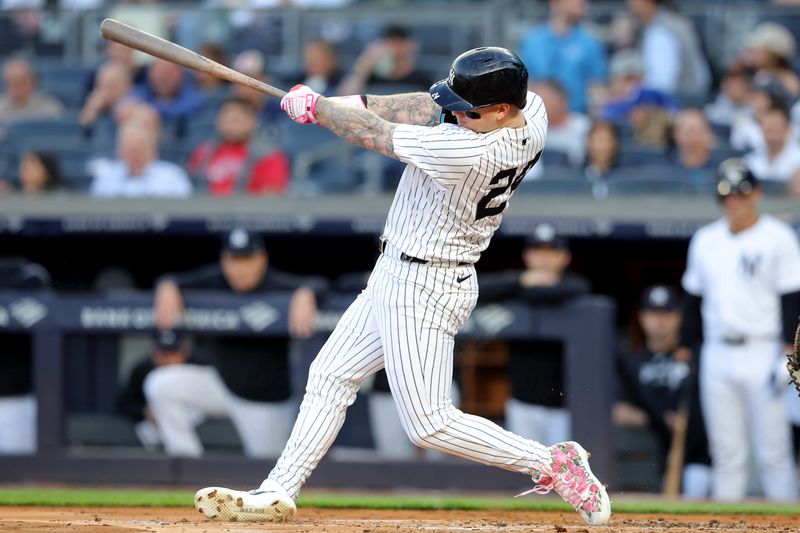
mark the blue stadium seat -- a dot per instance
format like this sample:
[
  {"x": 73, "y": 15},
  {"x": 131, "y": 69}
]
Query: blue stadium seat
[
  {"x": 320, "y": 160},
  {"x": 635, "y": 155},
  {"x": 74, "y": 170},
  {"x": 647, "y": 180},
  {"x": 67, "y": 129},
  {"x": 556, "y": 186},
  {"x": 554, "y": 157}
]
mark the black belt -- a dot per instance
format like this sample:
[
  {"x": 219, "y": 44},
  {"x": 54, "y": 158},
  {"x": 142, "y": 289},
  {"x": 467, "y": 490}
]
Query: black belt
[
  {"x": 409, "y": 258},
  {"x": 740, "y": 340}
]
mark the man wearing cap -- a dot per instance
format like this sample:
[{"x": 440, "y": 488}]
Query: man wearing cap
[
  {"x": 653, "y": 383},
  {"x": 536, "y": 409},
  {"x": 170, "y": 347},
  {"x": 249, "y": 380},
  {"x": 743, "y": 278}
]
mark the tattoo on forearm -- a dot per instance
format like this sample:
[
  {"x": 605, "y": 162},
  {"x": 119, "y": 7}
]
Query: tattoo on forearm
[
  {"x": 410, "y": 108},
  {"x": 360, "y": 127}
]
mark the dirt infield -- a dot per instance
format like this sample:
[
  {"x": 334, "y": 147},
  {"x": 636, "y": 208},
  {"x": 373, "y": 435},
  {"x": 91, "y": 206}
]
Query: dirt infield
[{"x": 158, "y": 520}]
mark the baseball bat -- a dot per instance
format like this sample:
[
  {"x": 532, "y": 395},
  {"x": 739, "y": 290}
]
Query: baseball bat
[
  {"x": 673, "y": 473},
  {"x": 114, "y": 30}
]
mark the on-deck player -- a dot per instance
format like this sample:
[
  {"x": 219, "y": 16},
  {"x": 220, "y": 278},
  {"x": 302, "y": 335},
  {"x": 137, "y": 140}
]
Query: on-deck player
[
  {"x": 743, "y": 278},
  {"x": 450, "y": 200}
]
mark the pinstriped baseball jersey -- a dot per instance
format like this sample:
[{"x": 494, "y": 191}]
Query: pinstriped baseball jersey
[{"x": 457, "y": 184}]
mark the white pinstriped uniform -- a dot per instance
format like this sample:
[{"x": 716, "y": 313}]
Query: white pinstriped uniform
[{"x": 447, "y": 206}]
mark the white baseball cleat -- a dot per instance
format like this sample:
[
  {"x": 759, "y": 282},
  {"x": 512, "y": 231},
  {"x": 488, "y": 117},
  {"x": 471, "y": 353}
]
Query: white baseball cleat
[
  {"x": 269, "y": 503},
  {"x": 569, "y": 474}
]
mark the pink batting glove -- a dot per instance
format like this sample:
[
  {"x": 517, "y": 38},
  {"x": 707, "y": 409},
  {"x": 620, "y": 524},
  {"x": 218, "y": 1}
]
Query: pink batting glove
[{"x": 300, "y": 103}]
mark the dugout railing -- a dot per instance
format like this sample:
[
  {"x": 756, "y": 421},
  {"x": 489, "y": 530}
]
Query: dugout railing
[{"x": 585, "y": 326}]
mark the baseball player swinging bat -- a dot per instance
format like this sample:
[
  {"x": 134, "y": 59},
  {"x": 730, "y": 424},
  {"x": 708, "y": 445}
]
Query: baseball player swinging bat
[{"x": 114, "y": 30}]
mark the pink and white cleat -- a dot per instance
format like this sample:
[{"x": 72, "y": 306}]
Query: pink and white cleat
[{"x": 569, "y": 474}]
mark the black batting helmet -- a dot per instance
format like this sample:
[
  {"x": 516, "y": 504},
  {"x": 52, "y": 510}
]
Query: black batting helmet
[
  {"x": 734, "y": 177},
  {"x": 482, "y": 77}
]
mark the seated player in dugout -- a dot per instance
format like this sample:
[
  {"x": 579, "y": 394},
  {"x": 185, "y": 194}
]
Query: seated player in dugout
[
  {"x": 249, "y": 378},
  {"x": 459, "y": 177},
  {"x": 537, "y": 406},
  {"x": 653, "y": 382},
  {"x": 170, "y": 347}
]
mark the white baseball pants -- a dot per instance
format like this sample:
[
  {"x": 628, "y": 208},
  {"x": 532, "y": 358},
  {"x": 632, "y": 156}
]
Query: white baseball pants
[
  {"x": 741, "y": 406},
  {"x": 182, "y": 396},
  {"x": 405, "y": 320},
  {"x": 18, "y": 424}
]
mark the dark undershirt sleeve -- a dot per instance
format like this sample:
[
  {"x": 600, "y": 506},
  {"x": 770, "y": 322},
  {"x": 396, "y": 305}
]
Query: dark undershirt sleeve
[{"x": 790, "y": 313}]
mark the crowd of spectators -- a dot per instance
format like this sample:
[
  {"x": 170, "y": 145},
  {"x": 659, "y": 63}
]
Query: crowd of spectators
[{"x": 645, "y": 75}]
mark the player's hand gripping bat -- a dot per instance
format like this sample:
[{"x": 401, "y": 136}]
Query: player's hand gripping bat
[{"x": 114, "y": 30}]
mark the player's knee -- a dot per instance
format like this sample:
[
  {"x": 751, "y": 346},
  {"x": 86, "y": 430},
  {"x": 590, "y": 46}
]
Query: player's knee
[{"x": 158, "y": 384}]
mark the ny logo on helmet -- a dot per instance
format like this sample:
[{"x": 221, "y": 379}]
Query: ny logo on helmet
[{"x": 451, "y": 77}]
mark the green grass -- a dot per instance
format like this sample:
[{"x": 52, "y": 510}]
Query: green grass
[{"x": 183, "y": 498}]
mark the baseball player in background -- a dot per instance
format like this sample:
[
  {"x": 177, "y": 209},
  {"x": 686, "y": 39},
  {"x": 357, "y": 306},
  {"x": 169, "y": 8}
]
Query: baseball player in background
[
  {"x": 743, "y": 283},
  {"x": 461, "y": 170}
]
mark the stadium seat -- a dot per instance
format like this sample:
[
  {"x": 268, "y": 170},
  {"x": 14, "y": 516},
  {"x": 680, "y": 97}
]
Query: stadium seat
[
  {"x": 631, "y": 155},
  {"x": 74, "y": 168},
  {"x": 634, "y": 186},
  {"x": 556, "y": 186},
  {"x": 554, "y": 157},
  {"x": 320, "y": 160},
  {"x": 66, "y": 129}
]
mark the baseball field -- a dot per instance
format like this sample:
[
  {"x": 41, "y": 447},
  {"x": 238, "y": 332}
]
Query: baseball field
[{"x": 108, "y": 510}]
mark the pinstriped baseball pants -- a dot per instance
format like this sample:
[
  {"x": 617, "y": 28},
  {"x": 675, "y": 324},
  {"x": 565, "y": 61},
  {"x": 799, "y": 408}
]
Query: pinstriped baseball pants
[{"x": 405, "y": 320}]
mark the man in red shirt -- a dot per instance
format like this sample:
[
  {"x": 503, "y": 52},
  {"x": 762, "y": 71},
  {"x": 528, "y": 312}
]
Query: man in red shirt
[{"x": 240, "y": 158}]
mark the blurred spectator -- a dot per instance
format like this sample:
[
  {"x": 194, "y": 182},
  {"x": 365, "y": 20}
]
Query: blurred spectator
[
  {"x": 671, "y": 50},
  {"x": 566, "y": 129},
  {"x": 170, "y": 347},
  {"x": 17, "y": 400},
  {"x": 731, "y": 102},
  {"x": 240, "y": 158},
  {"x": 170, "y": 92},
  {"x": 390, "y": 60},
  {"x": 124, "y": 55},
  {"x": 113, "y": 83},
  {"x": 693, "y": 141},
  {"x": 746, "y": 133},
  {"x": 22, "y": 98},
  {"x": 251, "y": 62},
  {"x": 769, "y": 51},
  {"x": 321, "y": 68},
  {"x": 249, "y": 380},
  {"x": 39, "y": 172},
  {"x": 602, "y": 155},
  {"x": 134, "y": 112},
  {"x": 563, "y": 50},
  {"x": 211, "y": 85},
  {"x": 653, "y": 383},
  {"x": 536, "y": 409},
  {"x": 781, "y": 159},
  {"x": 138, "y": 172},
  {"x": 627, "y": 91}
]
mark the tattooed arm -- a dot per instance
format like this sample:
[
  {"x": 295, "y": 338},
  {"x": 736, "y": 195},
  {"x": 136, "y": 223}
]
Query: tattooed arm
[
  {"x": 360, "y": 127},
  {"x": 410, "y": 108}
]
